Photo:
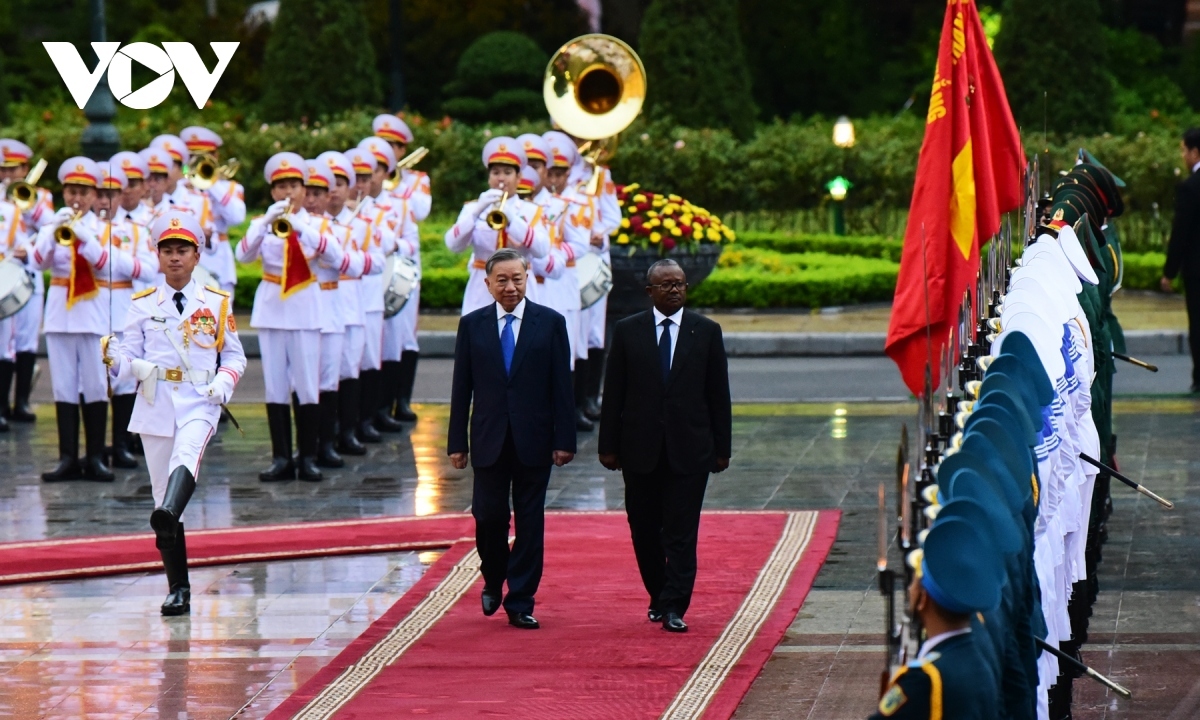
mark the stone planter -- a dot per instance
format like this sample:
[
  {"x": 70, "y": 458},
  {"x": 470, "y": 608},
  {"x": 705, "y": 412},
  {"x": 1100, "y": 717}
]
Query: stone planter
[{"x": 628, "y": 295}]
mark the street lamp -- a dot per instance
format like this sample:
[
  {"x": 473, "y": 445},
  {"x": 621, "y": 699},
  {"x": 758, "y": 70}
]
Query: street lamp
[
  {"x": 100, "y": 138},
  {"x": 843, "y": 133},
  {"x": 838, "y": 188}
]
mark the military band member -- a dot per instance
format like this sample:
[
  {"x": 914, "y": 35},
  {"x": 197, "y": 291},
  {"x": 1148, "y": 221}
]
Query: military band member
[
  {"x": 27, "y": 323},
  {"x": 414, "y": 184},
  {"x": 76, "y": 318},
  {"x": 134, "y": 214},
  {"x": 158, "y": 182},
  {"x": 333, "y": 312},
  {"x": 118, "y": 237},
  {"x": 13, "y": 244},
  {"x": 390, "y": 222},
  {"x": 523, "y": 229},
  {"x": 180, "y": 343},
  {"x": 223, "y": 205},
  {"x": 287, "y": 314}
]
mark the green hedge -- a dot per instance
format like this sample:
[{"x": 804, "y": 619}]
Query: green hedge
[{"x": 862, "y": 246}]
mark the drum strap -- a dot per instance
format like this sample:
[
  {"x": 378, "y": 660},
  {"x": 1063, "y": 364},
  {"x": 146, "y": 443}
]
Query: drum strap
[{"x": 12, "y": 231}]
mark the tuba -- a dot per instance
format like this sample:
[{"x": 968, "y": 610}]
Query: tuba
[
  {"x": 23, "y": 193},
  {"x": 391, "y": 182},
  {"x": 594, "y": 87}
]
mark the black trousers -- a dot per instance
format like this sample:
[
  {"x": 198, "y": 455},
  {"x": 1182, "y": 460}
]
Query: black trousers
[
  {"x": 664, "y": 521},
  {"x": 1191, "y": 289},
  {"x": 521, "y": 566}
]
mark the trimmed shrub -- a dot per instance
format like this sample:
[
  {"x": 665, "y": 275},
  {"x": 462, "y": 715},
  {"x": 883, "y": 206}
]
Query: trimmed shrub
[
  {"x": 498, "y": 78},
  {"x": 861, "y": 246}
]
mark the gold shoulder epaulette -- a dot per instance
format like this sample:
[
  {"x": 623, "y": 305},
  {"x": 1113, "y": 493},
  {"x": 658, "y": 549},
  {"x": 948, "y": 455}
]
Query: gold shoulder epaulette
[
  {"x": 217, "y": 290},
  {"x": 144, "y": 293}
]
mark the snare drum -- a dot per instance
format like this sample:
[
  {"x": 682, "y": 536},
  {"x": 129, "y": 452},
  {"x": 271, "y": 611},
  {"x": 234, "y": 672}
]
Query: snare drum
[
  {"x": 400, "y": 278},
  {"x": 16, "y": 287},
  {"x": 595, "y": 279}
]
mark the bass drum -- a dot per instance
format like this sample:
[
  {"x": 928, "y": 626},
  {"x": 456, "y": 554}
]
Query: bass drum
[
  {"x": 595, "y": 279},
  {"x": 16, "y": 287},
  {"x": 400, "y": 278}
]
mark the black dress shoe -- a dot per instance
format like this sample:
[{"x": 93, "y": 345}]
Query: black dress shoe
[
  {"x": 179, "y": 602},
  {"x": 654, "y": 616},
  {"x": 491, "y": 603},
  {"x": 592, "y": 409},
  {"x": 582, "y": 424},
  {"x": 525, "y": 621},
  {"x": 673, "y": 623}
]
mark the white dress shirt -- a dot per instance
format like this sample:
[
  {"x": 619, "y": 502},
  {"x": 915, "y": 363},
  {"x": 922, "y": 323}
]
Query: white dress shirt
[
  {"x": 517, "y": 313},
  {"x": 674, "y": 328},
  {"x": 1196, "y": 167},
  {"x": 928, "y": 646}
]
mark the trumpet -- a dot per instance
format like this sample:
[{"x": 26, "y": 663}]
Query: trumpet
[
  {"x": 496, "y": 219},
  {"x": 64, "y": 234},
  {"x": 206, "y": 172},
  {"x": 391, "y": 182},
  {"x": 23, "y": 193},
  {"x": 282, "y": 228}
]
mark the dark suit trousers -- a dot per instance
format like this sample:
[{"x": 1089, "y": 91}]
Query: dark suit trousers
[
  {"x": 522, "y": 566},
  {"x": 1191, "y": 289},
  {"x": 664, "y": 522}
]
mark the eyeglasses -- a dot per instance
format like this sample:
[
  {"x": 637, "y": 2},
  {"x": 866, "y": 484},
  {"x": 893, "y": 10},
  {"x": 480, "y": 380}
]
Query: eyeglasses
[{"x": 669, "y": 286}]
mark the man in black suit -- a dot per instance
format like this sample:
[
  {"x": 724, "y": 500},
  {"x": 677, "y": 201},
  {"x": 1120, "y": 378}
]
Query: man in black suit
[
  {"x": 666, "y": 422},
  {"x": 513, "y": 358},
  {"x": 1183, "y": 253}
]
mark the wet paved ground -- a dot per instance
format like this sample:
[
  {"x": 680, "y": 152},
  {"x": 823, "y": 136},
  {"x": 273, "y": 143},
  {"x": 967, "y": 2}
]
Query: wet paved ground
[{"x": 1146, "y": 630}]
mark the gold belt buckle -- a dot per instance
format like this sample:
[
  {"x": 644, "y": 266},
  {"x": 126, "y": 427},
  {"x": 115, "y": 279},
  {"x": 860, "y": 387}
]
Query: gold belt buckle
[{"x": 175, "y": 375}]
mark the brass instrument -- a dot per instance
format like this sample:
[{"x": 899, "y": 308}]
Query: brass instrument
[
  {"x": 594, "y": 87},
  {"x": 64, "y": 234},
  {"x": 282, "y": 228},
  {"x": 205, "y": 171},
  {"x": 392, "y": 181},
  {"x": 496, "y": 219},
  {"x": 23, "y": 193}
]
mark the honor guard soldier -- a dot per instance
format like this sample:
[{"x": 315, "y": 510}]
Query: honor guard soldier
[
  {"x": 400, "y": 351},
  {"x": 391, "y": 223},
  {"x": 957, "y": 575},
  {"x": 118, "y": 237},
  {"x": 223, "y": 203},
  {"x": 486, "y": 225},
  {"x": 133, "y": 213},
  {"x": 413, "y": 190},
  {"x": 27, "y": 323},
  {"x": 158, "y": 182},
  {"x": 76, "y": 318},
  {"x": 180, "y": 344},
  {"x": 287, "y": 313},
  {"x": 333, "y": 312},
  {"x": 351, "y": 229}
]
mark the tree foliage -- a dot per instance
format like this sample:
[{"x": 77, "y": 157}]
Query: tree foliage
[
  {"x": 696, "y": 65},
  {"x": 499, "y": 77},
  {"x": 317, "y": 62},
  {"x": 1055, "y": 77}
]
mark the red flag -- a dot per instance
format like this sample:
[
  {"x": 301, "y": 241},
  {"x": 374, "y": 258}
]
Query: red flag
[
  {"x": 297, "y": 274},
  {"x": 969, "y": 173},
  {"x": 81, "y": 285}
]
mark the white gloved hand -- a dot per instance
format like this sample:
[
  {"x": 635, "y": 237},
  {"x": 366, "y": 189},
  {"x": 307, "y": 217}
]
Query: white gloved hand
[
  {"x": 219, "y": 390},
  {"x": 62, "y": 217},
  {"x": 278, "y": 210},
  {"x": 487, "y": 200},
  {"x": 111, "y": 353}
]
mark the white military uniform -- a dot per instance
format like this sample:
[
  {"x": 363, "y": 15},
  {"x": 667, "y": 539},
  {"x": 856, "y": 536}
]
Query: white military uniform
[
  {"x": 351, "y": 229},
  {"x": 570, "y": 242},
  {"x": 174, "y": 357},
  {"x": 12, "y": 238},
  {"x": 26, "y": 324},
  {"x": 223, "y": 207},
  {"x": 601, "y": 215}
]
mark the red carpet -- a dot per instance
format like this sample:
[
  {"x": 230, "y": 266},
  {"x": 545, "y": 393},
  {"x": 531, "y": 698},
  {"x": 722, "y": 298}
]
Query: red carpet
[
  {"x": 435, "y": 655},
  {"x": 116, "y": 554}
]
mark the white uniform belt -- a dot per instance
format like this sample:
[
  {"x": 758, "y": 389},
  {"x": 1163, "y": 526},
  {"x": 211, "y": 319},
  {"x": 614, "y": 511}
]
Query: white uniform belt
[{"x": 177, "y": 375}]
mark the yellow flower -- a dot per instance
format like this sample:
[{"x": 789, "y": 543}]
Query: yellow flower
[
  {"x": 623, "y": 239},
  {"x": 639, "y": 198},
  {"x": 655, "y": 237},
  {"x": 702, "y": 212},
  {"x": 620, "y": 203},
  {"x": 674, "y": 198},
  {"x": 676, "y": 232},
  {"x": 659, "y": 202},
  {"x": 668, "y": 223},
  {"x": 671, "y": 208},
  {"x": 624, "y": 222},
  {"x": 654, "y": 223},
  {"x": 651, "y": 214},
  {"x": 728, "y": 234},
  {"x": 686, "y": 218},
  {"x": 713, "y": 235}
]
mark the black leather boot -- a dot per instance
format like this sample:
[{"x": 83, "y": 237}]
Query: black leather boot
[
  {"x": 408, "y": 376},
  {"x": 348, "y": 399},
  {"x": 327, "y": 454},
  {"x": 308, "y": 419},
  {"x": 165, "y": 518},
  {"x": 67, "y": 415},
  {"x": 279, "y": 421},
  {"x": 8, "y": 368},
  {"x": 389, "y": 386},
  {"x": 595, "y": 376},
  {"x": 179, "y": 597},
  {"x": 95, "y": 423},
  {"x": 122, "y": 410},
  {"x": 22, "y": 411},
  {"x": 368, "y": 403}
]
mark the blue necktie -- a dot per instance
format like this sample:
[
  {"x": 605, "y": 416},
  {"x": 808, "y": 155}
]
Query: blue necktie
[
  {"x": 664, "y": 349},
  {"x": 507, "y": 343}
]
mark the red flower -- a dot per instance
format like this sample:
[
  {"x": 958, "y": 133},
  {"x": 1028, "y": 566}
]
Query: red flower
[
  {"x": 668, "y": 242},
  {"x": 642, "y": 230}
]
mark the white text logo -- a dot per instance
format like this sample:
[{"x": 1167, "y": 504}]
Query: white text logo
[{"x": 118, "y": 60}]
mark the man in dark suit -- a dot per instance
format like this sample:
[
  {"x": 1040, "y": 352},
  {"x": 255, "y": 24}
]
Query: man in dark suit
[
  {"x": 666, "y": 422},
  {"x": 513, "y": 358},
  {"x": 1183, "y": 253}
]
